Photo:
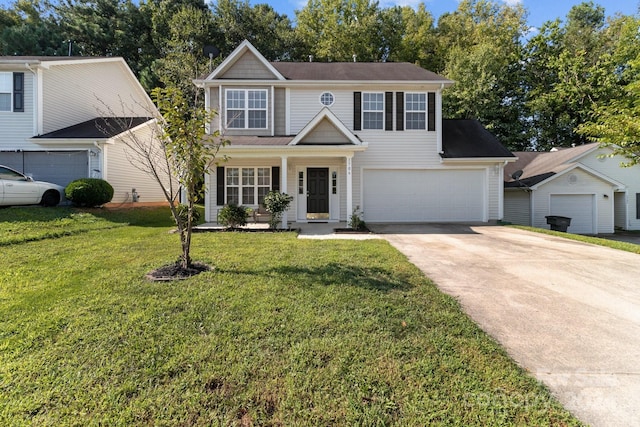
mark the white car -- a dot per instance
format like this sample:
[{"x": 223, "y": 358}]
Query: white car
[{"x": 18, "y": 189}]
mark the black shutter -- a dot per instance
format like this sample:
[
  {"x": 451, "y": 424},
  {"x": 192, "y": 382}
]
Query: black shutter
[
  {"x": 18, "y": 92},
  {"x": 275, "y": 178},
  {"x": 637, "y": 205},
  {"x": 357, "y": 110},
  {"x": 388, "y": 111},
  {"x": 220, "y": 186},
  {"x": 399, "y": 110},
  {"x": 431, "y": 111}
]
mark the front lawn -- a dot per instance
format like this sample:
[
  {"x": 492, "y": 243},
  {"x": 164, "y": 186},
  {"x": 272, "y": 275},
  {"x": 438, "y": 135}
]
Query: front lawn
[{"x": 282, "y": 332}]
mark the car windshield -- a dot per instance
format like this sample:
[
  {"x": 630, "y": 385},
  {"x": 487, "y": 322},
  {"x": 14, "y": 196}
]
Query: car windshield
[{"x": 6, "y": 173}]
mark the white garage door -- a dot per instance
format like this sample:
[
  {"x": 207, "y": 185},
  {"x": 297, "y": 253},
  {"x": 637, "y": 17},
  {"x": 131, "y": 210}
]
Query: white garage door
[
  {"x": 579, "y": 207},
  {"x": 423, "y": 196}
]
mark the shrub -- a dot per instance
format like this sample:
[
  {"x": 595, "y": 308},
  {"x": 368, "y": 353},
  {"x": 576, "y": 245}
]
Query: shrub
[
  {"x": 276, "y": 203},
  {"x": 355, "y": 220},
  {"x": 183, "y": 214},
  {"x": 89, "y": 192},
  {"x": 233, "y": 216}
]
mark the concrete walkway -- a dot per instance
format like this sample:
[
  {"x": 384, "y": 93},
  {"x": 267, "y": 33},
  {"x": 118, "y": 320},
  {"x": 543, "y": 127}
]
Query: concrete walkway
[{"x": 568, "y": 312}]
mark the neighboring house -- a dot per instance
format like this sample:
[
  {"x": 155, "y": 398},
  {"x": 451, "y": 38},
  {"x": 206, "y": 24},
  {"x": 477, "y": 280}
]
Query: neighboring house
[
  {"x": 341, "y": 137},
  {"x": 582, "y": 183},
  {"x": 52, "y": 122}
]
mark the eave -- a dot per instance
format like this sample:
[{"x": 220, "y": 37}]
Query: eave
[{"x": 466, "y": 160}]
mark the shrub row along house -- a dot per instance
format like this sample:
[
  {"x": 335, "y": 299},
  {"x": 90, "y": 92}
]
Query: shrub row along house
[
  {"x": 340, "y": 137},
  {"x": 54, "y": 126}
]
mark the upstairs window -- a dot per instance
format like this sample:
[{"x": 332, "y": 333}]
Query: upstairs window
[
  {"x": 246, "y": 109},
  {"x": 12, "y": 92},
  {"x": 6, "y": 91},
  {"x": 372, "y": 110},
  {"x": 415, "y": 110}
]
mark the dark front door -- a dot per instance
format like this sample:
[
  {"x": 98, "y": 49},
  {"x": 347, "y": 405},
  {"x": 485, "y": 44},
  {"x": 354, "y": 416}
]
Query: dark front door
[{"x": 318, "y": 193}]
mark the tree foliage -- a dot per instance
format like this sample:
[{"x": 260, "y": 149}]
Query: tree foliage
[{"x": 533, "y": 91}]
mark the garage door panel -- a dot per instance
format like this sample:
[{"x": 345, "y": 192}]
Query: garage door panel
[
  {"x": 423, "y": 196},
  {"x": 578, "y": 207}
]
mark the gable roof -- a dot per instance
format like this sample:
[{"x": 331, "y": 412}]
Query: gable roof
[
  {"x": 325, "y": 115},
  {"x": 98, "y": 128},
  {"x": 465, "y": 138},
  {"x": 239, "y": 52},
  {"x": 366, "y": 71},
  {"x": 539, "y": 166}
]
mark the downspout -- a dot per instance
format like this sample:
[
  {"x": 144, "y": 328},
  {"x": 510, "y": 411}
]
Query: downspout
[
  {"x": 439, "y": 120},
  {"x": 35, "y": 128}
]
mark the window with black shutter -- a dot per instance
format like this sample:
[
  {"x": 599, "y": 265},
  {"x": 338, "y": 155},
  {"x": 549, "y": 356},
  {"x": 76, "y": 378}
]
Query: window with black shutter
[{"x": 388, "y": 111}]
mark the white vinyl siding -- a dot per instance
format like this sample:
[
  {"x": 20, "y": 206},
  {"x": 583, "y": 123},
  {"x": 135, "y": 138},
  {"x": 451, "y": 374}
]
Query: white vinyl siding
[
  {"x": 74, "y": 93},
  {"x": 372, "y": 110},
  {"x": 246, "y": 109},
  {"x": 517, "y": 207},
  {"x": 16, "y": 129}
]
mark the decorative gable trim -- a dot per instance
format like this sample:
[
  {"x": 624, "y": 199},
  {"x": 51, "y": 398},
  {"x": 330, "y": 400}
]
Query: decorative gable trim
[
  {"x": 238, "y": 52},
  {"x": 325, "y": 114},
  {"x": 618, "y": 185}
]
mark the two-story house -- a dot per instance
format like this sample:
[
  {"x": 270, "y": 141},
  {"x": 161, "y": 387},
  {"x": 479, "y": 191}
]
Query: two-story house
[
  {"x": 342, "y": 136},
  {"x": 52, "y": 121}
]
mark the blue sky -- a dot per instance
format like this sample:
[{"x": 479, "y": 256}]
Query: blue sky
[{"x": 540, "y": 11}]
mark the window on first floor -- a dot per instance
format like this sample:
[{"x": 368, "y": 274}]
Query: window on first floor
[
  {"x": 246, "y": 109},
  {"x": 247, "y": 186},
  {"x": 415, "y": 110}
]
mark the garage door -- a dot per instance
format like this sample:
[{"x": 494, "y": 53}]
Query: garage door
[
  {"x": 59, "y": 167},
  {"x": 579, "y": 207},
  {"x": 423, "y": 196}
]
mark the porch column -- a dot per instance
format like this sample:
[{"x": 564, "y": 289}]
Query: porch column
[
  {"x": 283, "y": 186},
  {"x": 349, "y": 186}
]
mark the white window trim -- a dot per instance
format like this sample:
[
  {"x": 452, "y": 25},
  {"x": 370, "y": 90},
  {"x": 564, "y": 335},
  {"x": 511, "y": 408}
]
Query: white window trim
[
  {"x": 240, "y": 186},
  {"x": 10, "y": 92},
  {"x": 425, "y": 111},
  {"x": 246, "y": 108},
  {"x": 333, "y": 98},
  {"x": 372, "y": 111}
]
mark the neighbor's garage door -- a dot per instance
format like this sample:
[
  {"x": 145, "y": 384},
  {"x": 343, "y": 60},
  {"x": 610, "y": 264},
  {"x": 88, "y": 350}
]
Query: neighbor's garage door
[
  {"x": 423, "y": 196},
  {"x": 579, "y": 207},
  {"x": 59, "y": 167}
]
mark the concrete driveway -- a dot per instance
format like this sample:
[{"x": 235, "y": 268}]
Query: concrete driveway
[{"x": 568, "y": 312}]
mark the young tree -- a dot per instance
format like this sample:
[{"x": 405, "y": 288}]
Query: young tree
[{"x": 176, "y": 151}]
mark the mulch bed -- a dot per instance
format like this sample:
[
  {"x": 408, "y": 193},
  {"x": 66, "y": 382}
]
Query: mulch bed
[{"x": 175, "y": 272}]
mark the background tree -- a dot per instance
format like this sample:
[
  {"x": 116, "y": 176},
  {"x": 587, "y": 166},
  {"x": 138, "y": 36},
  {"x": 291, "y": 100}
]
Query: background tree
[
  {"x": 615, "y": 123},
  {"x": 270, "y": 32},
  {"x": 184, "y": 60},
  {"x": 335, "y": 30},
  {"x": 480, "y": 46},
  {"x": 30, "y": 27},
  {"x": 569, "y": 70}
]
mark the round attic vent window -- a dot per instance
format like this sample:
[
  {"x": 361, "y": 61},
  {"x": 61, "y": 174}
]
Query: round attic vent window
[
  {"x": 327, "y": 99},
  {"x": 573, "y": 179}
]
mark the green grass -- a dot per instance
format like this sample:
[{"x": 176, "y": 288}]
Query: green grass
[
  {"x": 623, "y": 246},
  {"x": 283, "y": 332}
]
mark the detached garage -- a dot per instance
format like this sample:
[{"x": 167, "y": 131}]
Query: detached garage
[
  {"x": 581, "y": 208},
  {"x": 395, "y": 195}
]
